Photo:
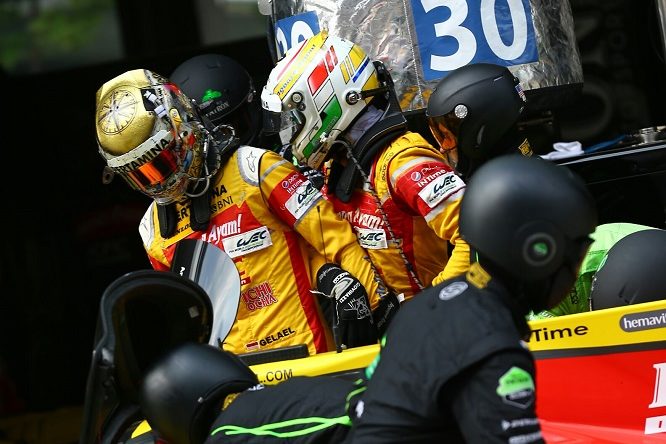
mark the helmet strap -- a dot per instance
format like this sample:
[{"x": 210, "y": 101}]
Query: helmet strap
[
  {"x": 200, "y": 211},
  {"x": 363, "y": 152},
  {"x": 166, "y": 216}
]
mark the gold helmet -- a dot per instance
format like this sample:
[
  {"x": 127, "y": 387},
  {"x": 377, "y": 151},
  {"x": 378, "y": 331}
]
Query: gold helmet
[{"x": 148, "y": 134}]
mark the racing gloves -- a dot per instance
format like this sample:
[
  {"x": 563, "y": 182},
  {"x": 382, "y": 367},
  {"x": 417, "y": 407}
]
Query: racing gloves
[{"x": 345, "y": 303}]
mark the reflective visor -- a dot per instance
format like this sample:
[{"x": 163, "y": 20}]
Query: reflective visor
[
  {"x": 151, "y": 166},
  {"x": 155, "y": 173},
  {"x": 445, "y": 129}
]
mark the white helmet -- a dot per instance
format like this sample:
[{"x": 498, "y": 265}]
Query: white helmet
[{"x": 315, "y": 92}]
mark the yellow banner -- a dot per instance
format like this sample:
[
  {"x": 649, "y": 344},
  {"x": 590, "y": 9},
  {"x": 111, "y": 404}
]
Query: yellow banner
[{"x": 632, "y": 324}]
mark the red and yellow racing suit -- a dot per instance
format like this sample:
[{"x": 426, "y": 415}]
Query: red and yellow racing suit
[
  {"x": 278, "y": 229},
  {"x": 420, "y": 196}
]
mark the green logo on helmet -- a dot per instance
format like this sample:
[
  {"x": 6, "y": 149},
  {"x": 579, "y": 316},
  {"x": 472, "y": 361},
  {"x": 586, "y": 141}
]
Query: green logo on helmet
[
  {"x": 540, "y": 249},
  {"x": 210, "y": 94}
]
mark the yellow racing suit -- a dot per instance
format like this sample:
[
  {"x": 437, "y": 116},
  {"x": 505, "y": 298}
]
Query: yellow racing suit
[
  {"x": 278, "y": 229},
  {"x": 420, "y": 197}
]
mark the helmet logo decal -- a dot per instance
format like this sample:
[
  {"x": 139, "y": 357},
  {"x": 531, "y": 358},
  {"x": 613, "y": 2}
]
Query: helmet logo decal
[
  {"x": 116, "y": 112},
  {"x": 357, "y": 60},
  {"x": 521, "y": 93},
  {"x": 144, "y": 153},
  {"x": 210, "y": 94},
  {"x": 154, "y": 102},
  {"x": 317, "y": 78},
  {"x": 329, "y": 117},
  {"x": 539, "y": 249},
  {"x": 298, "y": 63}
]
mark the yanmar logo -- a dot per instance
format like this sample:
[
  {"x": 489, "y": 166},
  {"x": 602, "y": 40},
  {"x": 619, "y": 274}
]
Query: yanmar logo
[{"x": 643, "y": 321}]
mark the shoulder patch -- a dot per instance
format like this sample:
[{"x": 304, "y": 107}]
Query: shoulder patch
[
  {"x": 516, "y": 387},
  {"x": 248, "y": 158}
]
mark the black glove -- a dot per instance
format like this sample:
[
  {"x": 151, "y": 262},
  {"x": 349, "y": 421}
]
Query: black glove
[
  {"x": 315, "y": 177},
  {"x": 383, "y": 314},
  {"x": 351, "y": 317}
]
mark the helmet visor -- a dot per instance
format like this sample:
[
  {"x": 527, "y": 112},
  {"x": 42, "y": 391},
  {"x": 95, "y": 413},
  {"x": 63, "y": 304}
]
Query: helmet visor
[
  {"x": 156, "y": 167},
  {"x": 288, "y": 124},
  {"x": 445, "y": 129}
]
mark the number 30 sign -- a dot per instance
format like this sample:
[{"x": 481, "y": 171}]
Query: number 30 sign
[
  {"x": 450, "y": 33},
  {"x": 454, "y": 33}
]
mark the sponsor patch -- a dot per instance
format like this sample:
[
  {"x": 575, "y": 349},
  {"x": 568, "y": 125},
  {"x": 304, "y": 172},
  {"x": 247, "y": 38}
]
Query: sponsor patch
[
  {"x": 452, "y": 290},
  {"x": 371, "y": 239},
  {"x": 248, "y": 242},
  {"x": 440, "y": 188},
  {"x": 292, "y": 182},
  {"x": 302, "y": 200},
  {"x": 646, "y": 320},
  {"x": 516, "y": 387},
  {"x": 258, "y": 297}
]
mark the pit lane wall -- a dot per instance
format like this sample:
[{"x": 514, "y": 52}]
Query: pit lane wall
[
  {"x": 602, "y": 370},
  {"x": 421, "y": 41}
]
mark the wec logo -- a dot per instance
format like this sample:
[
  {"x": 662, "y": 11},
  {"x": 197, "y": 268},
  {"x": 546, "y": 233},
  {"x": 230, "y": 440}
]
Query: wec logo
[
  {"x": 252, "y": 239},
  {"x": 445, "y": 183},
  {"x": 247, "y": 242},
  {"x": 371, "y": 236},
  {"x": 305, "y": 193},
  {"x": 371, "y": 239}
]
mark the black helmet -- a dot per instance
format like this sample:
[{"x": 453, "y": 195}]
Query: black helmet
[
  {"x": 182, "y": 393},
  {"x": 223, "y": 92},
  {"x": 528, "y": 218},
  {"x": 473, "y": 108},
  {"x": 632, "y": 272}
]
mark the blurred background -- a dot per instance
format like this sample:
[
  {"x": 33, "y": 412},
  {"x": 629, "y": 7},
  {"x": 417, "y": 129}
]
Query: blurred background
[{"x": 66, "y": 236}]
